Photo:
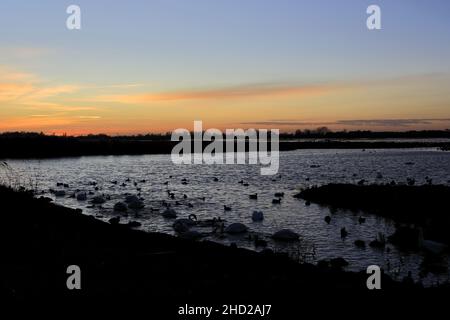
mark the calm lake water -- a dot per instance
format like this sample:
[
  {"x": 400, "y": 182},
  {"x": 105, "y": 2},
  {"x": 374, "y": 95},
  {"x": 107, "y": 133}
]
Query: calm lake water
[{"x": 298, "y": 169}]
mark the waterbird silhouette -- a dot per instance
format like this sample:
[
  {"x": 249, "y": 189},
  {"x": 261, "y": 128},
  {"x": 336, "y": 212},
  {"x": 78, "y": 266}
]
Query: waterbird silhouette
[
  {"x": 344, "y": 233},
  {"x": 257, "y": 216}
]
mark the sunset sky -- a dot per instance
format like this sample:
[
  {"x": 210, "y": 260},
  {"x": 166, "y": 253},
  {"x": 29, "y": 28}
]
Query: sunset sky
[{"x": 157, "y": 65}]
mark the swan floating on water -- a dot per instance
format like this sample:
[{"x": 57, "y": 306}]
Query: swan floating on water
[
  {"x": 191, "y": 235},
  {"x": 120, "y": 206},
  {"x": 286, "y": 235},
  {"x": 81, "y": 196},
  {"x": 259, "y": 242},
  {"x": 169, "y": 213},
  {"x": 236, "y": 228},
  {"x": 60, "y": 193},
  {"x": 138, "y": 204},
  {"x": 257, "y": 216},
  {"x": 182, "y": 225},
  {"x": 131, "y": 198},
  {"x": 114, "y": 220},
  {"x": 98, "y": 200}
]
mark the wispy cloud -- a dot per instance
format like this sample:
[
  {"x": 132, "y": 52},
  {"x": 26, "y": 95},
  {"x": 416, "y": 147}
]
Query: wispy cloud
[
  {"x": 46, "y": 105},
  {"x": 7, "y": 75},
  {"x": 390, "y": 122},
  {"x": 352, "y": 122},
  {"x": 51, "y": 91},
  {"x": 28, "y": 89},
  {"x": 114, "y": 86},
  {"x": 43, "y": 106},
  {"x": 13, "y": 91},
  {"x": 242, "y": 91},
  {"x": 36, "y": 123},
  {"x": 51, "y": 106},
  {"x": 254, "y": 90},
  {"x": 24, "y": 52},
  {"x": 89, "y": 117},
  {"x": 286, "y": 123}
]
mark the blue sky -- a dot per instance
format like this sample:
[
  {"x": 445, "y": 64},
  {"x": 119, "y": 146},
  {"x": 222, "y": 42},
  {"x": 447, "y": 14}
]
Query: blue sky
[{"x": 184, "y": 45}]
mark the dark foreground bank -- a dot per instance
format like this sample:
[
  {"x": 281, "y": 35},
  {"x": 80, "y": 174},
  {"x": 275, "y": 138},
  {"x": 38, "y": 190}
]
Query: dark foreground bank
[
  {"x": 125, "y": 269},
  {"x": 40, "y": 240}
]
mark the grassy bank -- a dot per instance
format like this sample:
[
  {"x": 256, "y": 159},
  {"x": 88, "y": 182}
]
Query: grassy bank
[
  {"x": 426, "y": 206},
  {"x": 40, "y": 239}
]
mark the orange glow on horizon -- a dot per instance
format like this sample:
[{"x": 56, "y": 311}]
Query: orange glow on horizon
[{"x": 28, "y": 103}]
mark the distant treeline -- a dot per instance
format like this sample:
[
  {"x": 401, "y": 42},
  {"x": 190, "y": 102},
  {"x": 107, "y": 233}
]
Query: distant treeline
[
  {"x": 39, "y": 145},
  {"x": 97, "y": 137},
  {"x": 319, "y": 133},
  {"x": 324, "y": 132}
]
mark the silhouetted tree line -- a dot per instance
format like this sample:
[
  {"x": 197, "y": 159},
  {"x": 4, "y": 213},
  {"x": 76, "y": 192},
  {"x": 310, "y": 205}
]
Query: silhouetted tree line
[
  {"x": 322, "y": 132},
  {"x": 39, "y": 145},
  {"x": 42, "y": 136}
]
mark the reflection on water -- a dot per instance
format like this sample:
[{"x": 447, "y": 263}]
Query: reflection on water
[{"x": 219, "y": 185}]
